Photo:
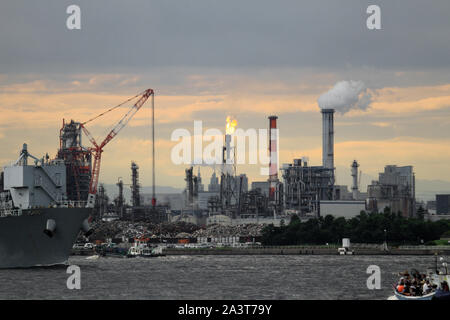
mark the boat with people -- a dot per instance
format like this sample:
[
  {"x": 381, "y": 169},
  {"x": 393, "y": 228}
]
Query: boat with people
[{"x": 432, "y": 285}]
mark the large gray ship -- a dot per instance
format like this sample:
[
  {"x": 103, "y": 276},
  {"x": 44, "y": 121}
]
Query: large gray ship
[
  {"x": 23, "y": 242},
  {"x": 45, "y": 204},
  {"x": 39, "y": 217}
]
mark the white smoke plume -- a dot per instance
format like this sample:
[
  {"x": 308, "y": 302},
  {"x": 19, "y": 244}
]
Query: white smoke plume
[{"x": 345, "y": 96}]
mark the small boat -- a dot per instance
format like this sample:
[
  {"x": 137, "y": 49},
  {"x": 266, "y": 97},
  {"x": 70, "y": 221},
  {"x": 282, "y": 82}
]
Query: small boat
[
  {"x": 345, "y": 251},
  {"x": 400, "y": 296},
  {"x": 436, "y": 279},
  {"x": 140, "y": 248}
]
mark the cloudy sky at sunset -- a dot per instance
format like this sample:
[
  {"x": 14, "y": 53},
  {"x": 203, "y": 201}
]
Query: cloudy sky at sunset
[{"x": 207, "y": 59}]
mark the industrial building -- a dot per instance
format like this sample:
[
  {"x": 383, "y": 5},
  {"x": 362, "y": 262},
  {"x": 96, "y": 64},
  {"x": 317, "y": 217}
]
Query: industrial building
[
  {"x": 174, "y": 201},
  {"x": 395, "y": 189},
  {"x": 214, "y": 185},
  {"x": 304, "y": 185},
  {"x": 443, "y": 204},
  {"x": 304, "y": 189},
  {"x": 340, "y": 208},
  {"x": 263, "y": 186},
  {"x": 228, "y": 193},
  {"x": 431, "y": 207},
  {"x": 309, "y": 191},
  {"x": 342, "y": 193}
]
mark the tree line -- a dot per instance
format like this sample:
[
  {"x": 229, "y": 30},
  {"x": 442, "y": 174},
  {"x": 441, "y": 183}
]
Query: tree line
[{"x": 364, "y": 228}]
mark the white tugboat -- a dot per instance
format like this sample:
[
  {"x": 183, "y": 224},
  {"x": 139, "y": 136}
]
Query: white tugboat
[
  {"x": 345, "y": 250},
  {"x": 140, "y": 248}
]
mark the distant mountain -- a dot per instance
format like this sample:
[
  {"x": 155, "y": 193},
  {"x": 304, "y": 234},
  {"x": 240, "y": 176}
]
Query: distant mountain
[{"x": 427, "y": 189}]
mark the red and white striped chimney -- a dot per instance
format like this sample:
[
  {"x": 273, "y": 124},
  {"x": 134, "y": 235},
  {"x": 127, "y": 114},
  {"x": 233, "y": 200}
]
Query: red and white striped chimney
[{"x": 273, "y": 166}]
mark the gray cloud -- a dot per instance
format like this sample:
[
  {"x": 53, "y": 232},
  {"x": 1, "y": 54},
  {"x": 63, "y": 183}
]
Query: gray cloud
[{"x": 121, "y": 36}]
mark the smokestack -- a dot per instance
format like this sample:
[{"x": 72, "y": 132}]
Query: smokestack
[
  {"x": 227, "y": 155},
  {"x": 273, "y": 166},
  {"x": 328, "y": 138},
  {"x": 228, "y": 159},
  {"x": 354, "y": 167}
]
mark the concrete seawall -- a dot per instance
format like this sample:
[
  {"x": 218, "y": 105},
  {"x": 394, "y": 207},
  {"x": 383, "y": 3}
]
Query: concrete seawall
[{"x": 297, "y": 251}]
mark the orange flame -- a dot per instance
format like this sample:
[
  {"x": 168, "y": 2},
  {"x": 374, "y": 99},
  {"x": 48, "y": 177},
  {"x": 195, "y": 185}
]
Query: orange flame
[{"x": 231, "y": 125}]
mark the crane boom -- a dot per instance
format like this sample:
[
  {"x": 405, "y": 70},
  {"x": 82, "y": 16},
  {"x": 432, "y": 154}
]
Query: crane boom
[{"x": 98, "y": 148}]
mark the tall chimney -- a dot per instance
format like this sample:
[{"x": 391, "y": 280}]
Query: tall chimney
[
  {"x": 227, "y": 156},
  {"x": 328, "y": 138},
  {"x": 273, "y": 166},
  {"x": 354, "y": 167}
]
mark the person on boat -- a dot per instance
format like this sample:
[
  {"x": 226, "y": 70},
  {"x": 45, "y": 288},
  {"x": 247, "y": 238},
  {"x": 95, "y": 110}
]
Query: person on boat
[
  {"x": 412, "y": 290},
  {"x": 426, "y": 289},
  {"x": 407, "y": 291},
  {"x": 445, "y": 286},
  {"x": 401, "y": 287},
  {"x": 417, "y": 291}
]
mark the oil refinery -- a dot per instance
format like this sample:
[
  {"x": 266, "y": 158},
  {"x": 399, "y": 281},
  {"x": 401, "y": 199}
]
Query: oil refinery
[{"x": 300, "y": 187}]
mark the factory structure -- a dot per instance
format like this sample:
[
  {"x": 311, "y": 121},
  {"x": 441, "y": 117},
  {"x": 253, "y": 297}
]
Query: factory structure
[
  {"x": 312, "y": 191},
  {"x": 395, "y": 189},
  {"x": 298, "y": 187},
  {"x": 82, "y": 167},
  {"x": 303, "y": 189}
]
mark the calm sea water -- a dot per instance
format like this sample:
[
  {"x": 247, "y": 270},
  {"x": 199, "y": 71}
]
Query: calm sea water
[{"x": 212, "y": 277}]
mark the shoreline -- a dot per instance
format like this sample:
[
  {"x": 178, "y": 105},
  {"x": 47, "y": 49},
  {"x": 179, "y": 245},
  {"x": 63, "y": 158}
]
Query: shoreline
[
  {"x": 299, "y": 251},
  {"x": 285, "y": 251}
]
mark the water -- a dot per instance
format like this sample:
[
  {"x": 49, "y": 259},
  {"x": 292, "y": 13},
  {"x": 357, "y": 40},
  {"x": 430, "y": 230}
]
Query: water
[{"x": 213, "y": 277}]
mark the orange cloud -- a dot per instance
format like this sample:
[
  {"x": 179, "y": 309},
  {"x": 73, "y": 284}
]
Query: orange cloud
[
  {"x": 430, "y": 158},
  {"x": 35, "y": 105}
]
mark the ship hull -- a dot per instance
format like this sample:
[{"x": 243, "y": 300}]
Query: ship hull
[{"x": 24, "y": 244}]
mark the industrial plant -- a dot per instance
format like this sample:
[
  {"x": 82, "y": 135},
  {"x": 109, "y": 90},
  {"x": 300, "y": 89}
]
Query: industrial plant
[
  {"x": 297, "y": 188},
  {"x": 303, "y": 189}
]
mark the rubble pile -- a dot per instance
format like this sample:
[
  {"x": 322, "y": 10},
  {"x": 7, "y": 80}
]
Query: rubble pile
[
  {"x": 126, "y": 229},
  {"x": 241, "y": 230}
]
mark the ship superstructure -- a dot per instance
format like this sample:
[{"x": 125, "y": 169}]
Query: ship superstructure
[
  {"x": 77, "y": 159},
  {"x": 38, "y": 223}
]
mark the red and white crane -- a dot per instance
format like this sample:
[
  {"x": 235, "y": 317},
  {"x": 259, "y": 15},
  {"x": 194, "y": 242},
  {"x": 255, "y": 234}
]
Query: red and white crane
[{"x": 97, "y": 149}]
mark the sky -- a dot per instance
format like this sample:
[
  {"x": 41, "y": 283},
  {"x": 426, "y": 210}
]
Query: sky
[{"x": 207, "y": 59}]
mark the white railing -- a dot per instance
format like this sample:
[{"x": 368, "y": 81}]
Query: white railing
[
  {"x": 10, "y": 212},
  {"x": 71, "y": 204}
]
